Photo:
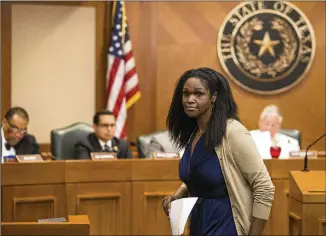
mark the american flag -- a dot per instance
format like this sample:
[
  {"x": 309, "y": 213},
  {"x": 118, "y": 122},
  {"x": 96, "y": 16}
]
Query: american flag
[{"x": 122, "y": 80}]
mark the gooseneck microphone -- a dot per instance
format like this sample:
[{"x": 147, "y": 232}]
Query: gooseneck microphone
[{"x": 305, "y": 167}]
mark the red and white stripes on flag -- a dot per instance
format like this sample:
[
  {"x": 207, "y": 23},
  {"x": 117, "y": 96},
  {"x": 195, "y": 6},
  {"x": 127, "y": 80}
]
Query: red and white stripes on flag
[{"x": 122, "y": 80}]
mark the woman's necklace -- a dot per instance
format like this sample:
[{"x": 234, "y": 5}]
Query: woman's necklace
[
  {"x": 199, "y": 133},
  {"x": 195, "y": 139}
]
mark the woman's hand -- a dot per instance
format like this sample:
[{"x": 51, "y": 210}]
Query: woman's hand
[
  {"x": 166, "y": 203},
  {"x": 257, "y": 226}
]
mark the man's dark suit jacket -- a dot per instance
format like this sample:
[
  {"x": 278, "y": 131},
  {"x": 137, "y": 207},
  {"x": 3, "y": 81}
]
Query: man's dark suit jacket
[
  {"x": 90, "y": 144},
  {"x": 27, "y": 145}
]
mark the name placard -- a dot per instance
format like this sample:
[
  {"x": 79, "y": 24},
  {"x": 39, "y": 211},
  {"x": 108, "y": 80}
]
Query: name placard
[
  {"x": 301, "y": 154},
  {"x": 165, "y": 155},
  {"x": 103, "y": 156},
  {"x": 29, "y": 158}
]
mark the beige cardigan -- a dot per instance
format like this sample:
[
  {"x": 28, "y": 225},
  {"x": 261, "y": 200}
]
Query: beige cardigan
[{"x": 249, "y": 185}]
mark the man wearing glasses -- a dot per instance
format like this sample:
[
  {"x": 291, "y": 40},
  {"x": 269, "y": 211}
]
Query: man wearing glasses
[
  {"x": 14, "y": 137},
  {"x": 102, "y": 140}
]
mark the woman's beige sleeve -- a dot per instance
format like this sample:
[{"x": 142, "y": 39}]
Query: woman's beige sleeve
[{"x": 253, "y": 169}]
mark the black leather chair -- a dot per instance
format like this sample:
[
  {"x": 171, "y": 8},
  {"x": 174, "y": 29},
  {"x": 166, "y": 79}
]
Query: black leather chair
[
  {"x": 64, "y": 139},
  {"x": 293, "y": 133}
]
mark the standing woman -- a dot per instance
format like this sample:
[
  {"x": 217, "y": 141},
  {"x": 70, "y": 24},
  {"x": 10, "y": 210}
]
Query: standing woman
[{"x": 221, "y": 165}]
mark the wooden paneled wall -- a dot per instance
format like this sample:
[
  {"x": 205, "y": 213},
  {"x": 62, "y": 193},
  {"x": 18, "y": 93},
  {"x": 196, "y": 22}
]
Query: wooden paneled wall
[
  {"x": 102, "y": 39},
  {"x": 103, "y": 20},
  {"x": 171, "y": 37}
]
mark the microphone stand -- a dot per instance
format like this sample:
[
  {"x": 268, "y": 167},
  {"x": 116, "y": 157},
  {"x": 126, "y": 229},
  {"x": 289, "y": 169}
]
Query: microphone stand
[{"x": 305, "y": 166}]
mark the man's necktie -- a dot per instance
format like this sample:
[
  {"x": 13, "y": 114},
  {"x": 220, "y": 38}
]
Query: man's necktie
[{"x": 106, "y": 148}]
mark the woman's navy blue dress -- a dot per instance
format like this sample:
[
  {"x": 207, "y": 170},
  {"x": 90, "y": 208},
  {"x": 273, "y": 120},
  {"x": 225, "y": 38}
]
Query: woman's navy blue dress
[{"x": 201, "y": 172}]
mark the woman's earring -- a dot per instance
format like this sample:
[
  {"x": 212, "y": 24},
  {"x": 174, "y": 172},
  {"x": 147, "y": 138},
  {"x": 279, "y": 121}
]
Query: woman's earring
[{"x": 212, "y": 108}]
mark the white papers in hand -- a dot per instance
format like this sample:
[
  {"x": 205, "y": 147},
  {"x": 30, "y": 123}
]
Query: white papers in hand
[{"x": 180, "y": 210}]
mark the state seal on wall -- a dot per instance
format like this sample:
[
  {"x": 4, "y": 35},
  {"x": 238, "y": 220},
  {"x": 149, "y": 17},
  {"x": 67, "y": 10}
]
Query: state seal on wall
[{"x": 266, "y": 47}]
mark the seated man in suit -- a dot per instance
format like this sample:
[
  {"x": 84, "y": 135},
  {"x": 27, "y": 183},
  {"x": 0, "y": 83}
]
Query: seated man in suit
[
  {"x": 14, "y": 137},
  {"x": 102, "y": 140},
  {"x": 268, "y": 135}
]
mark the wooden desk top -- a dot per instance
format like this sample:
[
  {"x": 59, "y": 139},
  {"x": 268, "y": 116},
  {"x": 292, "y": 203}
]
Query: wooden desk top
[
  {"x": 308, "y": 187},
  {"x": 76, "y": 225},
  {"x": 46, "y": 172},
  {"x": 50, "y": 172}
]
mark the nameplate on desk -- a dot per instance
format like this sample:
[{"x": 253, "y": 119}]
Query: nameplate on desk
[
  {"x": 301, "y": 154},
  {"x": 103, "y": 156},
  {"x": 165, "y": 155},
  {"x": 29, "y": 158}
]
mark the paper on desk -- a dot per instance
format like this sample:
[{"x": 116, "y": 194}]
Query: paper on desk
[{"x": 180, "y": 210}]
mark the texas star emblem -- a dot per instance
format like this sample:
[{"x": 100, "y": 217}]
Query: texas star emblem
[{"x": 266, "y": 47}]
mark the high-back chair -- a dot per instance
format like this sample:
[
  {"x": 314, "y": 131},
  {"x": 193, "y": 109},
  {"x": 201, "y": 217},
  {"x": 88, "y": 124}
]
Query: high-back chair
[
  {"x": 293, "y": 133},
  {"x": 146, "y": 143},
  {"x": 64, "y": 139}
]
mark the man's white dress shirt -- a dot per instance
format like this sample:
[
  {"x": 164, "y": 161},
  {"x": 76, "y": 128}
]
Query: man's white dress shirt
[{"x": 5, "y": 152}]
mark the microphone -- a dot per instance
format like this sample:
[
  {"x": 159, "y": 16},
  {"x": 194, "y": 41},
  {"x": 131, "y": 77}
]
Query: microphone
[{"x": 305, "y": 167}]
